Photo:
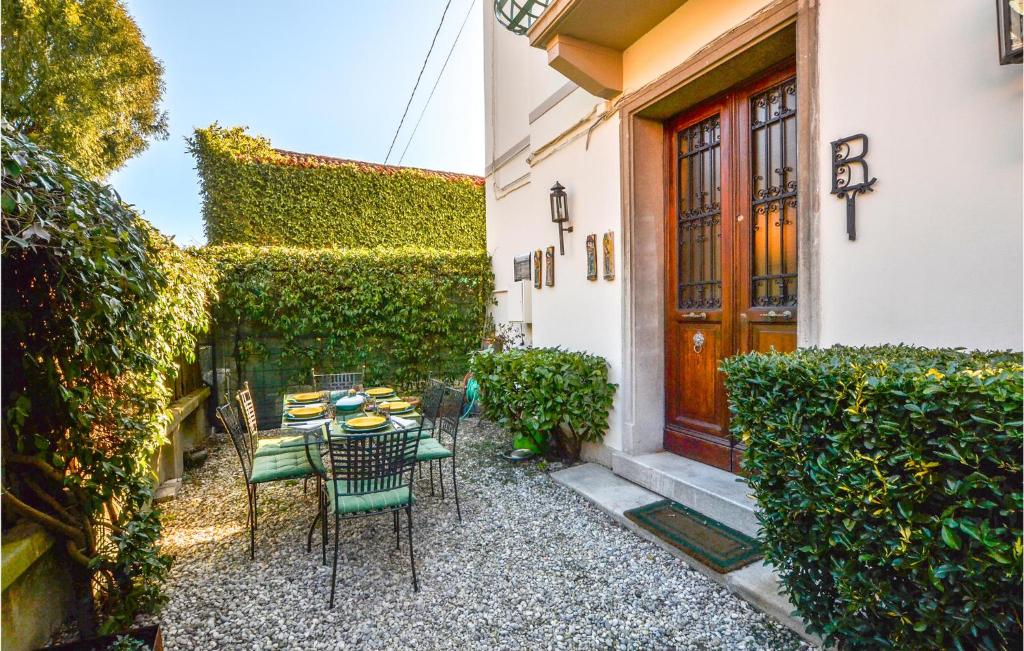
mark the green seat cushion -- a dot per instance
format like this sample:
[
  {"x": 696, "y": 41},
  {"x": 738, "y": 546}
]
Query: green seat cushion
[
  {"x": 286, "y": 465},
  {"x": 278, "y": 445},
  {"x": 429, "y": 449},
  {"x": 345, "y": 503}
]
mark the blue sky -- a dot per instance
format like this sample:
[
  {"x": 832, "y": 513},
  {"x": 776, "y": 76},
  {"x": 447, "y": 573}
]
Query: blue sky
[{"x": 327, "y": 77}]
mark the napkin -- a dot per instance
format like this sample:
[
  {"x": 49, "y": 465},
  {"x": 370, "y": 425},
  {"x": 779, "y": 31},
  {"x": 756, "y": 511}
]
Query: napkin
[
  {"x": 309, "y": 424},
  {"x": 404, "y": 423}
]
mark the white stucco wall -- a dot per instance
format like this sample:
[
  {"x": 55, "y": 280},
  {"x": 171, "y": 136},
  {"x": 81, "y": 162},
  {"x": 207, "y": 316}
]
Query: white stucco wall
[
  {"x": 576, "y": 313},
  {"x": 938, "y": 257},
  {"x": 937, "y": 260}
]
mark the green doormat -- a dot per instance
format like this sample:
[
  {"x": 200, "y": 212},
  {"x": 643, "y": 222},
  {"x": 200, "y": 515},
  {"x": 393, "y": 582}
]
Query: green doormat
[{"x": 721, "y": 548}]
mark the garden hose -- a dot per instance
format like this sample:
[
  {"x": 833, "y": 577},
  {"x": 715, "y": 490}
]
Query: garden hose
[{"x": 472, "y": 393}]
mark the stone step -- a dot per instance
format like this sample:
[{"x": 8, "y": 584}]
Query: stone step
[
  {"x": 715, "y": 493},
  {"x": 756, "y": 583}
]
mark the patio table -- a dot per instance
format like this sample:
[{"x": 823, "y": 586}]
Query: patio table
[{"x": 335, "y": 427}]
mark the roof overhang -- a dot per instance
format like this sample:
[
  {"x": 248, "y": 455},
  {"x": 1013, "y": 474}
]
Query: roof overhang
[{"x": 585, "y": 39}]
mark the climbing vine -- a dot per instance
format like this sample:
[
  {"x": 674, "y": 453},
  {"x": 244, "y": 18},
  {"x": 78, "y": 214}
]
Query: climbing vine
[
  {"x": 255, "y": 194},
  {"x": 403, "y": 313}
]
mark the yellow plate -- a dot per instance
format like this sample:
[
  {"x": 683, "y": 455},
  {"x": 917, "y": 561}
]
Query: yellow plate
[
  {"x": 365, "y": 422},
  {"x": 305, "y": 412},
  {"x": 379, "y": 392},
  {"x": 397, "y": 405},
  {"x": 305, "y": 397}
]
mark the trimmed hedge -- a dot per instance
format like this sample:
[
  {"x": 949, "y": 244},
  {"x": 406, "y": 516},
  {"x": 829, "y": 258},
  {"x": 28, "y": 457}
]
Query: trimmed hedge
[
  {"x": 533, "y": 392},
  {"x": 254, "y": 194},
  {"x": 403, "y": 313},
  {"x": 889, "y": 481}
]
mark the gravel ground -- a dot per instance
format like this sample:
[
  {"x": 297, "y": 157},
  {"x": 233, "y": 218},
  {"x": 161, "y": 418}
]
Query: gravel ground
[{"x": 533, "y": 566}]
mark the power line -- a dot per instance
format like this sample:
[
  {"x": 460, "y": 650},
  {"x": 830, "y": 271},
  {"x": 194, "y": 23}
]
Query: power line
[
  {"x": 418, "y": 77},
  {"x": 436, "y": 81}
]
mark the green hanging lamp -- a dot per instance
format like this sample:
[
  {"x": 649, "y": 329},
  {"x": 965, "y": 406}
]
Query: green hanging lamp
[{"x": 518, "y": 15}]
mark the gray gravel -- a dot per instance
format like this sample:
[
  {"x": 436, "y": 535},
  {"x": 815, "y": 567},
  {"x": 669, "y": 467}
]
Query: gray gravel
[{"x": 533, "y": 566}]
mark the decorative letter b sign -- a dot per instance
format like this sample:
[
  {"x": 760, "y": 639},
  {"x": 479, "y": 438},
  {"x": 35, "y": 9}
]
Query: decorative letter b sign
[{"x": 850, "y": 175}]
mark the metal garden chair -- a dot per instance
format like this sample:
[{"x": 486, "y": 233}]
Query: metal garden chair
[
  {"x": 296, "y": 464},
  {"x": 269, "y": 441},
  {"x": 370, "y": 474},
  {"x": 446, "y": 432},
  {"x": 337, "y": 381}
]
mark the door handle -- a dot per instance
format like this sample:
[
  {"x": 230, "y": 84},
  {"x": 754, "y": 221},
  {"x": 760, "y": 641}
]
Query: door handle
[
  {"x": 695, "y": 315},
  {"x": 772, "y": 314}
]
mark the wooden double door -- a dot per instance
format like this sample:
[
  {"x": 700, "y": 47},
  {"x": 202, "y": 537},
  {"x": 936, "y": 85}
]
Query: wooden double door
[{"x": 730, "y": 264}]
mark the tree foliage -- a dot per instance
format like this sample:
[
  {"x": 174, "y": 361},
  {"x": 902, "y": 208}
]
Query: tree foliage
[
  {"x": 80, "y": 81},
  {"x": 255, "y": 194},
  {"x": 97, "y": 310},
  {"x": 889, "y": 486}
]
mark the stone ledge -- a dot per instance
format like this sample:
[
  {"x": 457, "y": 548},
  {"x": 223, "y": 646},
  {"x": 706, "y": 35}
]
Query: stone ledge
[{"x": 22, "y": 547}]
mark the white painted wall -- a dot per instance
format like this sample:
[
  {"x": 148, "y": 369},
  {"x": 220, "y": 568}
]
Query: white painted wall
[
  {"x": 576, "y": 313},
  {"x": 937, "y": 260},
  {"x": 938, "y": 256}
]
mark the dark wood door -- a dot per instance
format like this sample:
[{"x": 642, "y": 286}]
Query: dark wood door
[{"x": 730, "y": 263}]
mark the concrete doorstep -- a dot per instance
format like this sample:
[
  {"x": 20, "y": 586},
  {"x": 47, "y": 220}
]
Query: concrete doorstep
[{"x": 756, "y": 583}]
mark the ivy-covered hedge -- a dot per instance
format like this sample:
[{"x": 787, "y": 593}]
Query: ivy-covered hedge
[
  {"x": 889, "y": 481},
  {"x": 551, "y": 400},
  {"x": 254, "y": 194},
  {"x": 98, "y": 308},
  {"x": 402, "y": 313}
]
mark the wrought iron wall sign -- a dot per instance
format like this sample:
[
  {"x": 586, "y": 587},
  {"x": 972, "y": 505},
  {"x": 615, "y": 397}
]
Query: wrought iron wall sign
[
  {"x": 522, "y": 267},
  {"x": 850, "y": 175},
  {"x": 538, "y": 273},
  {"x": 549, "y": 257}
]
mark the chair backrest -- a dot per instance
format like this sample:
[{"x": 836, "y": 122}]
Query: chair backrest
[
  {"x": 433, "y": 394},
  {"x": 371, "y": 463},
  {"x": 244, "y": 397},
  {"x": 449, "y": 414},
  {"x": 337, "y": 381},
  {"x": 228, "y": 415}
]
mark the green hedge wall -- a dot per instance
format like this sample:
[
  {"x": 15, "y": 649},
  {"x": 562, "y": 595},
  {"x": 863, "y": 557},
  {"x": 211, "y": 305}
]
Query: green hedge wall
[
  {"x": 889, "y": 481},
  {"x": 404, "y": 313},
  {"x": 254, "y": 194}
]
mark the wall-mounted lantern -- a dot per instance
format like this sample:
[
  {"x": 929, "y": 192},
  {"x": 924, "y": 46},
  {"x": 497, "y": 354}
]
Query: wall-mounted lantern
[
  {"x": 560, "y": 213},
  {"x": 1010, "y": 15},
  {"x": 518, "y": 16}
]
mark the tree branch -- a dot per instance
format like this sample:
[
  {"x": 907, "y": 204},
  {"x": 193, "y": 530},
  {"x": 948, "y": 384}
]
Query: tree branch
[{"x": 48, "y": 521}]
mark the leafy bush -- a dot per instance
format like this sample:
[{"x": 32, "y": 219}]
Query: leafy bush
[
  {"x": 254, "y": 194},
  {"x": 402, "y": 313},
  {"x": 551, "y": 400},
  {"x": 889, "y": 481},
  {"x": 97, "y": 309}
]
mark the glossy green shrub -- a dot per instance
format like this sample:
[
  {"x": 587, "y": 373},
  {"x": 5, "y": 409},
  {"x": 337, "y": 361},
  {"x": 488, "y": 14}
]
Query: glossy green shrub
[
  {"x": 254, "y": 194},
  {"x": 889, "y": 481},
  {"x": 551, "y": 400},
  {"x": 98, "y": 309},
  {"x": 402, "y": 313}
]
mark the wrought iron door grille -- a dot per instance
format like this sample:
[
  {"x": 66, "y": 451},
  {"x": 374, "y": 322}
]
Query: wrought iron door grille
[
  {"x": 773, "y": 157},
  {"x": 699, "y": 207}
]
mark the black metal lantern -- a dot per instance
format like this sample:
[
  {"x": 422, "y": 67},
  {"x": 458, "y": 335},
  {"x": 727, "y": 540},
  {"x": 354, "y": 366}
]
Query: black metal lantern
[
  {"x": 560, "y": 213},
  {"x": 1011, "y": 30}
]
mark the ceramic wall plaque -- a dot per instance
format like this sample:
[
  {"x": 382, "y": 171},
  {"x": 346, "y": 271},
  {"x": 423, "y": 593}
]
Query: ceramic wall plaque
[
  {"x": 538, "y": 261},
  {"x": 608, "y": 249},
  {"x": 592, "y": 256},
  {"x": 549, "y": 271}
]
